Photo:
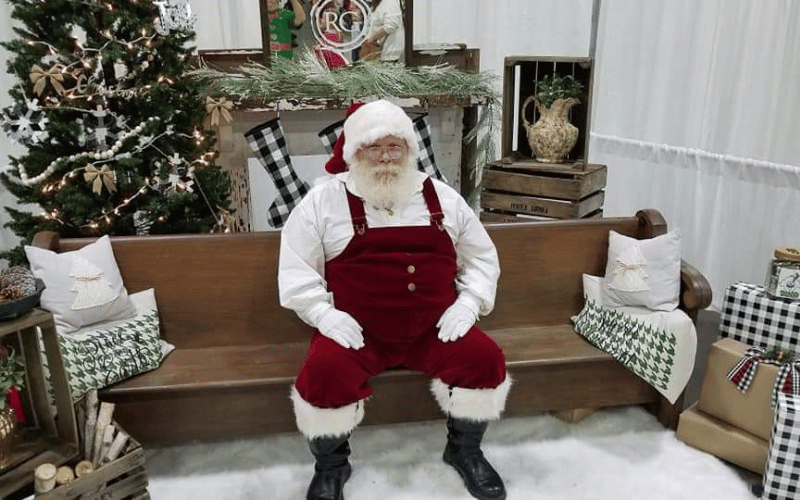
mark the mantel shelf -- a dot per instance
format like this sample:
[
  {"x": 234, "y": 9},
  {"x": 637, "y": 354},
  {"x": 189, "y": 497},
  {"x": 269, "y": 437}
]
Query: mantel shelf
[{"x": 323, "y": 103}]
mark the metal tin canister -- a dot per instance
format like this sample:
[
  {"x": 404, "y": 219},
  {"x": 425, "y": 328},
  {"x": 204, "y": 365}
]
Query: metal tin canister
[{"x": 783, "y": 274}]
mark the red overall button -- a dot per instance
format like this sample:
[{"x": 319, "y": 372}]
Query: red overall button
[
  {"x": 411, "y": 269},
  {"x": 412, "y": 287}
]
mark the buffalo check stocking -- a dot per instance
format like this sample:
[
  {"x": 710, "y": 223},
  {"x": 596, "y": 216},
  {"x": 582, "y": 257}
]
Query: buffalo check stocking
[
  {"x": 329, "y": 134},
  {"x": 427, "y": 161},
  {"x": 422, "y": 127},
  {"x": 269, "y": 144}
]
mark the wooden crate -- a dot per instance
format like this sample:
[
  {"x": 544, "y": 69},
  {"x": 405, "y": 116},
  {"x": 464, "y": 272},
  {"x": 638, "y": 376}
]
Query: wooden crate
[
  {"x": 525, "y": 190},
  {"x": 490, "y": 215},
  {"x": 48, "y": 436},
  {"x": 520, "y": 75},
  {"x": 122, "y": 479}
]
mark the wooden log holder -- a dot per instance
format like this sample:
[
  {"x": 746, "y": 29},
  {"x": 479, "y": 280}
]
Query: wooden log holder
[{"x": 123, "y": 478}]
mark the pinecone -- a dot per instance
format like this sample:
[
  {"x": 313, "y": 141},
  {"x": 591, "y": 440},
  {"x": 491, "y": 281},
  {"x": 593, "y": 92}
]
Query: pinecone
[
  {"x": 20, "y": 277},
  {"x": 14, "y": 292}
]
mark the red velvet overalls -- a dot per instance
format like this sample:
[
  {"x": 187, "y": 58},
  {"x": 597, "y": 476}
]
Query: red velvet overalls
[{"x": 396, "y": 282}]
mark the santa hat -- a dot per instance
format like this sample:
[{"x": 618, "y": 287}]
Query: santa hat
[{"x": 367, "y": 123}]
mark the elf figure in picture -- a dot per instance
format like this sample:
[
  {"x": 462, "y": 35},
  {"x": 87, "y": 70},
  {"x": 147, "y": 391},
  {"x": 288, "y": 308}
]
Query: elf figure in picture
[
  {"x": 392, "y": 269},
  {"x": 282, "y": 22}
]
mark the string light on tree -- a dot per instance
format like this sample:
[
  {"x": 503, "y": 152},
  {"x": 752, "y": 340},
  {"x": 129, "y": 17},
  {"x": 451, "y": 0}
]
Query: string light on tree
[{"x": 76, "y": 93}]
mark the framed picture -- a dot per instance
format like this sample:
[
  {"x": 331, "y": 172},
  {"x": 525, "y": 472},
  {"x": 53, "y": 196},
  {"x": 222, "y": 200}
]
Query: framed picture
[{"x": 338, "y": 32}]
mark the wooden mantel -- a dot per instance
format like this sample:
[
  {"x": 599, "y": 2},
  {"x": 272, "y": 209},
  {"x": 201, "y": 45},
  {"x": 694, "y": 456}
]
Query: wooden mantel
[{"x": 451, "y": 117}]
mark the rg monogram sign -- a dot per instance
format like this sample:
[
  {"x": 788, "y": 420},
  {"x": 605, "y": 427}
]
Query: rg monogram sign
[{"x": 340, "y": 29}]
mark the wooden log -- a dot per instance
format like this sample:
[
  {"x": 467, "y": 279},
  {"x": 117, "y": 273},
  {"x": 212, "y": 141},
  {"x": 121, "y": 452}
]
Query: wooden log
[
  {"x": 116, "y": 447},
  {"x": 83, "y": 468},
  {"x": 91, "y": 422},
  {"x": 64, "y": 475},
  {"x": 108, "y": 438},
  {"x": 44, "y": 478},
  {"x": 103, "y": 421}
]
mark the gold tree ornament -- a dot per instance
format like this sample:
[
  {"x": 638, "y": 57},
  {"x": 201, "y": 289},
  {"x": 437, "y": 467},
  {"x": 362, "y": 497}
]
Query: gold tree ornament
[
  {"x": 217, "y": 107},
  {"x": 100, "y": 178},
  {"x": 40, "y": 78}
]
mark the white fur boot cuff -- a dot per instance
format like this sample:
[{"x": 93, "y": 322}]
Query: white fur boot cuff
[
  {"x": 316, "y": 422},
  {"x": 472, "y": 404}
]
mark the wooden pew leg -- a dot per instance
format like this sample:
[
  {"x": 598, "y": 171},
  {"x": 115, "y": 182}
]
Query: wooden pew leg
[{"x": 665, "y": 412}]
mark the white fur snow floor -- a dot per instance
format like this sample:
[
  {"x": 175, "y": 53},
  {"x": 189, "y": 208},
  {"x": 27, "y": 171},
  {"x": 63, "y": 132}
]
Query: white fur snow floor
[{"x": 619, "y": 454}]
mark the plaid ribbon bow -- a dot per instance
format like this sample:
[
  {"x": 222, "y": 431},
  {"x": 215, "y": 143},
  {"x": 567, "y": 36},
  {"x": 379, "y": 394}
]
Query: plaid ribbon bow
[
  {"x": 744, "y": 371},
  {"x": 787, "y": 381}
]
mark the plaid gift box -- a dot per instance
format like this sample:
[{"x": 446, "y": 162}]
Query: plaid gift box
[
  {"x": 782, "y": 477},
  {"x": 751, "y": 316}
]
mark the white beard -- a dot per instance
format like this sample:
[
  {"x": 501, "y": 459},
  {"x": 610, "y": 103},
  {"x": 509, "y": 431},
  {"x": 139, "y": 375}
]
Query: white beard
[{"x": 386, "y": 185}]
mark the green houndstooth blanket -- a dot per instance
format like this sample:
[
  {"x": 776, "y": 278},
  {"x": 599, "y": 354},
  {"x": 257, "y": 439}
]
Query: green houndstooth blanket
[{"x": 657, "y": 346}]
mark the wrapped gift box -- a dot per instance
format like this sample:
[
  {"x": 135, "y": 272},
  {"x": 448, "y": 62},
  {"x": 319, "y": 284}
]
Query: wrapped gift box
[
  {"x": 719, "y": 397},
  {"x": 751, "y": 316},
  {"x": 722, "y": 440}
]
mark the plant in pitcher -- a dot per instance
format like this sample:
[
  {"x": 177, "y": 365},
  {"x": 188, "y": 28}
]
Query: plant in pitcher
[{"x": 552, "y": 136}]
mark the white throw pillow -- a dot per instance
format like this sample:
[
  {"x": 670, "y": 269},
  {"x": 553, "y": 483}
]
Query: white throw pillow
[
  {"x": 644, "y": 273},
  {"x": 82, "y": 287}
]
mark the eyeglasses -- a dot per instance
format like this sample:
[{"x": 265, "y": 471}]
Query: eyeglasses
[{"x": 376, "y": 152}]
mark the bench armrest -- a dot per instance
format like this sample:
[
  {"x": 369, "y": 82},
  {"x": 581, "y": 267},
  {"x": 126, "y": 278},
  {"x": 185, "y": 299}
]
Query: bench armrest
[
  {"x": 695, "y": 290},
  {"x": 46, "y": 239}
]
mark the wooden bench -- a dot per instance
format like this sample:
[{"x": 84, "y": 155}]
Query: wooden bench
[{"x": 238, "y": 351}]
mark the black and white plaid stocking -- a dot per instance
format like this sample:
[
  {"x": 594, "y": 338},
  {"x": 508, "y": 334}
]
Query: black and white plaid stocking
[
  {"x": 427, "y": 161},
  {"x": 422, "y": 127},
  {"x": 269, "y": 144},
  {"x": 329, "y": 134}
]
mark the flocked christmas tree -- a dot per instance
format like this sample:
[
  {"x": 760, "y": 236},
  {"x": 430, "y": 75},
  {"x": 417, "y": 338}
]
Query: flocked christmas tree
[{"x": 114, "y": 133}]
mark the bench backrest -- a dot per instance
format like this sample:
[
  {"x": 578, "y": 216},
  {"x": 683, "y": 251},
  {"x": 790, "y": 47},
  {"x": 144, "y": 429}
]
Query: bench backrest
[{"x": 221, "y": 289}]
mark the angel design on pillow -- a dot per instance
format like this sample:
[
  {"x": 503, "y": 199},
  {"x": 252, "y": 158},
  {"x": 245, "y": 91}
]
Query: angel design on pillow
[
  {"x": 628, "y": 274},
  {"x": 92, "y": 290}
]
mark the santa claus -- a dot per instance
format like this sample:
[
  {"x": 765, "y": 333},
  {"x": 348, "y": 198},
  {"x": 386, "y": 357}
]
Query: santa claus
[{"x": 392, "y": 269}]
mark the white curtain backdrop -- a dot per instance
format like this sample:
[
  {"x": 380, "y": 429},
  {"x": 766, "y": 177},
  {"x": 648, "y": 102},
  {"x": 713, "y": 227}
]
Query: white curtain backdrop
[
  {"x": 694, "y": 111},
  {"x": 694, "y": 104},
  {"x": 7, "y": 237}
]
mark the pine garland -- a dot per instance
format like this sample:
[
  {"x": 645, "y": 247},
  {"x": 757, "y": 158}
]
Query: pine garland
[{"x": 305, "y": 76}]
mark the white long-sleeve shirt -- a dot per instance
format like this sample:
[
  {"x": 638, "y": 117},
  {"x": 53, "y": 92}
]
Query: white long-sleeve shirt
[
  {"x": 389, "y": 16},
  {"x": 320, "y": 227}
]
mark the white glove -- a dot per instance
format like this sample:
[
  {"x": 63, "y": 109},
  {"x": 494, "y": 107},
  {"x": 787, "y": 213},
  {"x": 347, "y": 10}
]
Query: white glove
[
  {"x": 455, "y": 322},
  {"x": 341, "y": 328}
]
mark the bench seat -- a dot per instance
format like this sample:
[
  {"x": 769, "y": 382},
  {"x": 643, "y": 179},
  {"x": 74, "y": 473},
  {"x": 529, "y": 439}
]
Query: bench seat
[
  {"x": 238, "y": 351},
  {"x": 534, "y": 356}
]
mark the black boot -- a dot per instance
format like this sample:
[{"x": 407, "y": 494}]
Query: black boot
[
  {"x": 463, "y": 452},
  {"x": 332, "y": 469}
]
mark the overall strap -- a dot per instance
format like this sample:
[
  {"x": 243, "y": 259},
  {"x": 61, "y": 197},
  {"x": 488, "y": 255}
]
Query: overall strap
[
  {"x": 432, "y": 200},
  {"x": 357, "y": 213}
]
